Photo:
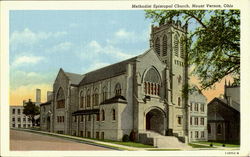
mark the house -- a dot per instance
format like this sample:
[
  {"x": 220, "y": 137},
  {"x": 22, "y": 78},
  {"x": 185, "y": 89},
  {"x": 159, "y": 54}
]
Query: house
[{"x": 224, "y": 116}]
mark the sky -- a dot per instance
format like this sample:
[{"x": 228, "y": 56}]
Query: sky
[{"x": 42, "y": 42}]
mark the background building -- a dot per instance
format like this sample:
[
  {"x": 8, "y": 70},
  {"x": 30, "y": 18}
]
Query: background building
[
  {"x": 46, "y": 113},
  {"x": 18, "y": 119},
  {"x": 197, "y": 116},
  {"x": 224, "y": 116}
]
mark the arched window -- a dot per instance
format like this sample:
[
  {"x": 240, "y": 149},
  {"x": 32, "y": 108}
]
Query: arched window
[
  {"x": 81, "y": 100},
  {"x": 182, "y": 47},
  {"x": 118, "y": 89},
  {"x": 103, "y": 115},
  {"x": 152, "y": 82},
  {"x": 113, "y": 114},
  {"x": 176, "y": 45},
  {"x": 104, "y": 93},
  {"x": 179, "y": 101},
  {"x": 60, "y": 98},
  {"x": 164, "y": 45},
  {"x": 95, "y": 97},
  {"x": 179, "y": 79},
  {"x": 157, "y": 46},
  {"x": 88, "y": 98},
  {"x": 218, "y": 129}
]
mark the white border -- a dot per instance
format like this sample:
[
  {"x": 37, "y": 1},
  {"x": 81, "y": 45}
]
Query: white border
[{"x": 6, "y": 6}]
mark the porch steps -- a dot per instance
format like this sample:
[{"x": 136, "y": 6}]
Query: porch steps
[{"x": 161, "y": 141}]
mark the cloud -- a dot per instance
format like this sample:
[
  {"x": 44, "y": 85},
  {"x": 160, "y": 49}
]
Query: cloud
[
  {"x": 93, "y": 49},
  {"x": 29, "y": 37},
  {"x": 26, "y": 60},
  {"x": 22, "y": 78},
  {"x": 122, "y": 33},
  {"x": 95, "y": 65},
  {"x": 61, "y": 47},
  {"x": 124, "y": 36}
]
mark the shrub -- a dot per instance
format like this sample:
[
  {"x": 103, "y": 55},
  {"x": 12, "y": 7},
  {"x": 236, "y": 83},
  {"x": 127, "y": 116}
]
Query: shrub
[
  {"x": 125, "y": 138},
  {"x": 211, "y": 144}
]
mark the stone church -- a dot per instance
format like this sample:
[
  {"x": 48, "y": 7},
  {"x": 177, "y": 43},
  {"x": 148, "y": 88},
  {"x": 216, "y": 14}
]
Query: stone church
[{"x": 138, "y": 96}]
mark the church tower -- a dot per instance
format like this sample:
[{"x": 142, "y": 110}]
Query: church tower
[{"x": 169, "y": 43}]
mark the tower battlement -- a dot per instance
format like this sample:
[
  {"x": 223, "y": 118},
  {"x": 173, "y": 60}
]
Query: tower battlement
[{"x": 175, "y": 24}]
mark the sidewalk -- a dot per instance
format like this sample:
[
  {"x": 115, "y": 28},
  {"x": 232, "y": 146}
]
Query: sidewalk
[
  {"x": 87, "y": 141},
  {"x": 217, "y": 147},
  {"x": 122, "y": 147}
]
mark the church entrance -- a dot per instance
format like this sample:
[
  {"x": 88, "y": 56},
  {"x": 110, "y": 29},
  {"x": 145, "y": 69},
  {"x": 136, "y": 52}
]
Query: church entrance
[{"x": 155, "y": 121}]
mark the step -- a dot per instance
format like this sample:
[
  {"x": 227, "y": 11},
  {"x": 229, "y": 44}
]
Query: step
[{"x": 161, "y": 141}]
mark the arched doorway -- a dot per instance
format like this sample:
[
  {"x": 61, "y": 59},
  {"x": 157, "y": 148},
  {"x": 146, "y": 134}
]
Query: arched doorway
[{"x": 155, "y": 121}]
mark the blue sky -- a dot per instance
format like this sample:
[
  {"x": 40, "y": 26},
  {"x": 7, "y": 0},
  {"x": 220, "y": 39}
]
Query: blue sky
[{"x": 41, "y": 42}]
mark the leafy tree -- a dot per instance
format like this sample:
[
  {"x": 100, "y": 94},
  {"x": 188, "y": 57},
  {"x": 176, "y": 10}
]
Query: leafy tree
[
  {"x": 213, "y": 41},
  {"x": 31, "y": 110}
]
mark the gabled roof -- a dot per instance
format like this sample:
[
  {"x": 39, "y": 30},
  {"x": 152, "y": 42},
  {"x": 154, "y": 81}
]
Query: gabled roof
[
  {"x": 74, "y": 78},
  {"x": 103, "y": 73},
  {"x": 106, "y": 72},
  {"x": 224, "y": 103}
]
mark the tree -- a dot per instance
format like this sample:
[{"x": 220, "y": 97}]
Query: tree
[
  {"x": 213, "y": 41},
  {"x": 31, "y": 110}
]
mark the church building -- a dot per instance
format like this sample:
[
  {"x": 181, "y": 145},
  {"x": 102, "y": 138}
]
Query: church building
[{"x": 138, "y": 96}]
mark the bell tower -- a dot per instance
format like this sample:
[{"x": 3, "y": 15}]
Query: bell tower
[{"x": 169, "y": 42}]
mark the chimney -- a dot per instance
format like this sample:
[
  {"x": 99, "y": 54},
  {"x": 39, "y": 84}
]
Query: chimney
[{"x": 38, "y": 95}]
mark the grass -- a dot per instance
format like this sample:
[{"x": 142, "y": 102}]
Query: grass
[
  {"x": 198, "y": 146},
  {"x": 219, "y": 144},
  {"x": 163, "y": 149},
  {"x": 130, "y": 144}
]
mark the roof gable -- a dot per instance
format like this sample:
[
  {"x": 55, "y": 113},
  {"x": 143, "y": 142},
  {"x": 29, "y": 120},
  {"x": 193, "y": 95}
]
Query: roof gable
[{"x": 151, "y": 53}]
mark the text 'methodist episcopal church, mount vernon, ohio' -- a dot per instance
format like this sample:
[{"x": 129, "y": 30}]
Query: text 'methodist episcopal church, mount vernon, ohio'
[{"x": 139, "y": 95}]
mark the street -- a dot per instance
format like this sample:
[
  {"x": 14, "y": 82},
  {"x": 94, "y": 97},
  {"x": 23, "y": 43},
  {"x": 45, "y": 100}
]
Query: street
[{"x": 22, "y": 140}]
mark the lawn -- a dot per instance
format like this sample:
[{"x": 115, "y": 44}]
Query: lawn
[
  {"x": 131, "y": 144},
  {"x": 163, "y": 149},
  {"x": 219, "y": 144}
]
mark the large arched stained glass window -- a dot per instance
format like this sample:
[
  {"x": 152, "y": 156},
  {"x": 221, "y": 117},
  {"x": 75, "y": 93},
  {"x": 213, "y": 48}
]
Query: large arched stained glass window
[
  {"x": 60, "y": 99},
  {"x": 152, "y": 82}
]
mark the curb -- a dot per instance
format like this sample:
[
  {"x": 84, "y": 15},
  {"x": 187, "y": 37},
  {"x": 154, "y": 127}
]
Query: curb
[{"x": 80, "y": 140}]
